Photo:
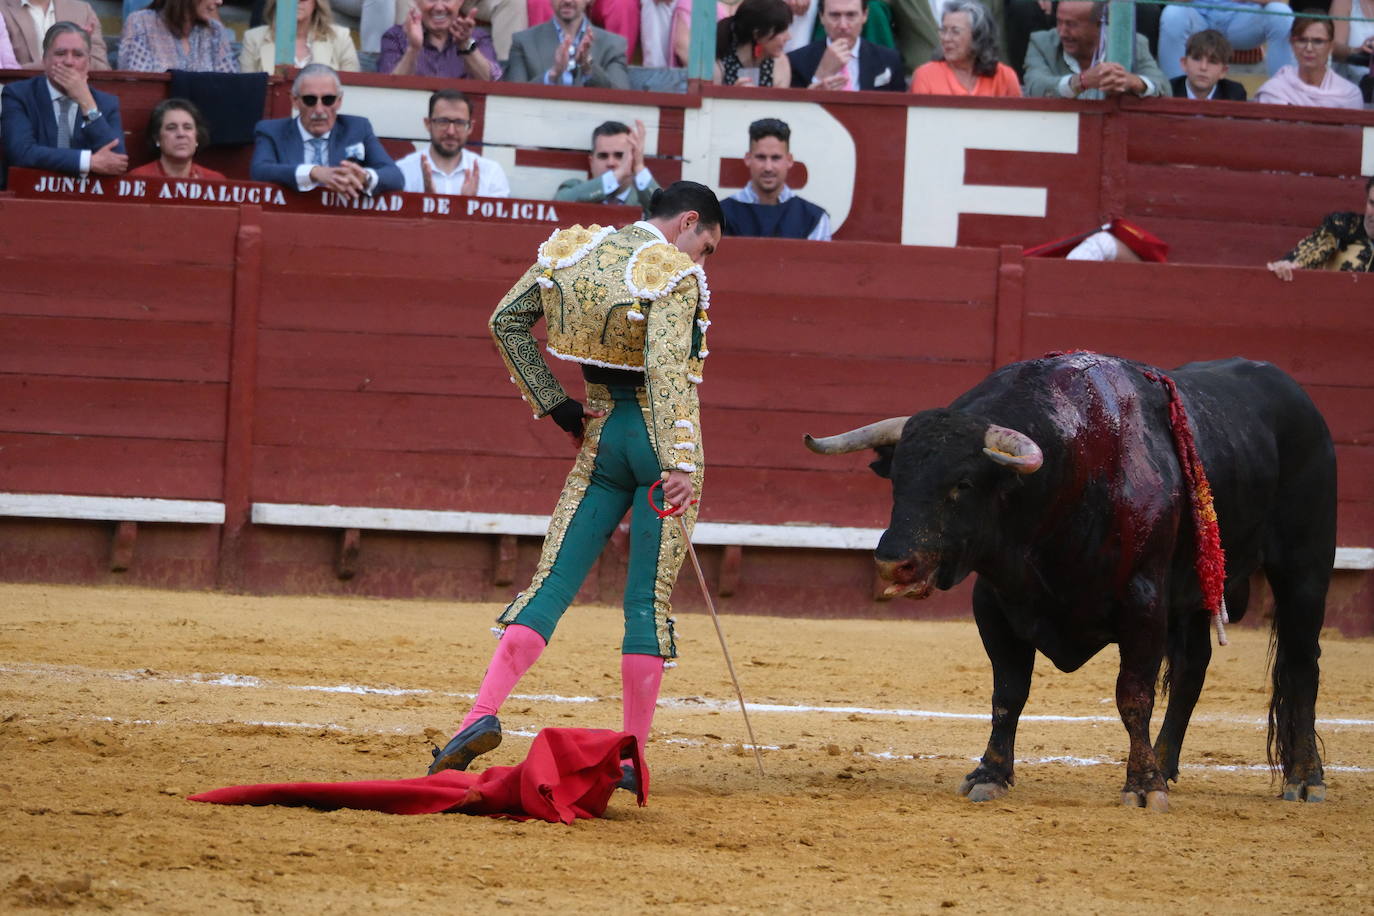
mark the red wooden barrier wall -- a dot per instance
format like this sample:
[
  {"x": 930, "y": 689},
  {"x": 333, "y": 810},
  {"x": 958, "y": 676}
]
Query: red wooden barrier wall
[{"x": 251, "y": 356}]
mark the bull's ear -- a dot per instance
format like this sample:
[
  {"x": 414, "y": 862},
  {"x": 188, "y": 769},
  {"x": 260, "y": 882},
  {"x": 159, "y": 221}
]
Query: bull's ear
[{"x": 882, "y": 465}]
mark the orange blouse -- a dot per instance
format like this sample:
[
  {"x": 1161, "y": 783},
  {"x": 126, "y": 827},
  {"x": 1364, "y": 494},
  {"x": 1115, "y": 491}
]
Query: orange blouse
[
  {"x": 937, "y": 78},
  {"x": 198, "y": 172}
]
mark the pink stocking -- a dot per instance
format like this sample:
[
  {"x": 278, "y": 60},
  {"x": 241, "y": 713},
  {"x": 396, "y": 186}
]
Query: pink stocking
[
  {"x": 640, "y": 677},
  {"x": 519, "y": 648}
]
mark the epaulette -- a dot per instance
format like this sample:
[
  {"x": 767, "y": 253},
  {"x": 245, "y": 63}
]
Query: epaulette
[
  {"x": 568, "y": 246},
  {"x": 656, "y": 268}
]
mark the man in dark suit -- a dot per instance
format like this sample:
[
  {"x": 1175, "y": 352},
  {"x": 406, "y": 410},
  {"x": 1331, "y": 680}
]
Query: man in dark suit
[
  {"x": 1205, "y": 62},
  {"x": 57, "y": 122},
  {"x": 569, "y": 51},
  {"x": 842, "y": 61},
  {"x": 320, "y": 148}
]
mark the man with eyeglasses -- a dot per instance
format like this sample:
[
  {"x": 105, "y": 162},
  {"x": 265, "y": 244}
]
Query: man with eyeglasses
[
  {"x": 320, "y": 148},
  {"x": 448, "y": 166},
  {"x": 618, "y": 173}
]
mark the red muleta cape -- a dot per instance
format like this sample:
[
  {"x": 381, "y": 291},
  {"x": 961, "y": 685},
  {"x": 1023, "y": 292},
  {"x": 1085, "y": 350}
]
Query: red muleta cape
[{"x": 569, "y": 773}]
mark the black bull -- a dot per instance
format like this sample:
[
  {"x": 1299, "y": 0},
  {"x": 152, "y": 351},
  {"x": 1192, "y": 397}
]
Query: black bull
[{"x": 1057, "y": 481}]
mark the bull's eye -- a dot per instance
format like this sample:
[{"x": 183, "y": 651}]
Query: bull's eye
[{"x": 960, "y": 488}]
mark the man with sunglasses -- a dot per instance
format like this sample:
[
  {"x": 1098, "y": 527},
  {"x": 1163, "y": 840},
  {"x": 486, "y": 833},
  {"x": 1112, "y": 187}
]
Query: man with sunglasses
[
  {"x": 320, "y": 148},
  {"x": 448, "y": 166}
]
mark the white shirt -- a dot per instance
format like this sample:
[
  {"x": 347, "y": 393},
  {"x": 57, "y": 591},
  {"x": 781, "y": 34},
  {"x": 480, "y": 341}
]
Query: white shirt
[
  {"x": 851, "y": 68},
  {"x": 609, "y": 184},
  {"x": 1066, "y": 89},
  {"x": 649, "y": 227},
  {"x": 491, "y": 178},
  {"x": 303, "y": 180},
  {"x": 73, "y": 119},
  {"x": 1192, "y": 95},
  {"x": 566, "y": 79},
  {"x": 42, "y": 19}
]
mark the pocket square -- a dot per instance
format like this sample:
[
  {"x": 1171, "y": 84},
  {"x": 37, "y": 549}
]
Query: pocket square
[
  {"x": 355, "y": 151},
  {"x": 882, "y": 79}
]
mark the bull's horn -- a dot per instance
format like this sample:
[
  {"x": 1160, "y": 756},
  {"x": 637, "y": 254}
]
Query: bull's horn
[
  {"x": 1015, "y": 450},
  {"x": 884, "y": 432}
]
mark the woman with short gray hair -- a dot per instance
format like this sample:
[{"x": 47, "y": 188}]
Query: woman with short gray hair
[{"x": 967, "y": 62}]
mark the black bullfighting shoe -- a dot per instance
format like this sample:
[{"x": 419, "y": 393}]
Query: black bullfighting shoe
[
  {"x": 629, "y": 778},
  {"x": 478, "y": 738}
]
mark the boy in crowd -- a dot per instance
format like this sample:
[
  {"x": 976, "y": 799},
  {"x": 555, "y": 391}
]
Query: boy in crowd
[{"x": 1205, "y": 62}]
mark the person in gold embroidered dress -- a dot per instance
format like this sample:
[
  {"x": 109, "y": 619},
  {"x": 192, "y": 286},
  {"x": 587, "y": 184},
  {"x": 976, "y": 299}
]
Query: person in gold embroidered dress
[{"x": 631, "y": 307}]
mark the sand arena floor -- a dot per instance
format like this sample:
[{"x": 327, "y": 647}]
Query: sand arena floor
[{"x": 117, "y": 703}]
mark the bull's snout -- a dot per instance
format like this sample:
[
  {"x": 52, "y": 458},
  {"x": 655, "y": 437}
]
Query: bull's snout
[{"x": 910, "y": 577}]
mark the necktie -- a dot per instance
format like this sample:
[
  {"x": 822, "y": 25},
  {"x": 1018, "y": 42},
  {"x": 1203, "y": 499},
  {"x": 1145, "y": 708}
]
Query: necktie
[
  {"x": 64, "y": 122},
  {"x": 317, "y": 151}
]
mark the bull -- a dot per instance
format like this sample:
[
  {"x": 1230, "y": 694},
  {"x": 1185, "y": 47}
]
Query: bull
[{"x": 1058, "y": 482}]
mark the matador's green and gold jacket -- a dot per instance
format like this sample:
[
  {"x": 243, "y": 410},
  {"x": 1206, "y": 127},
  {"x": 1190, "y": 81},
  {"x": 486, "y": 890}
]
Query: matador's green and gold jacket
[{"x": 621, "y": 299}]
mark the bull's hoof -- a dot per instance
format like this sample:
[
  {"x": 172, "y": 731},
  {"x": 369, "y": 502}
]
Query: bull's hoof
[
  {"x": 982, "y": 791},
  {"x": 1297, "y": 791},
  {"x": 1150, "y": 801}
]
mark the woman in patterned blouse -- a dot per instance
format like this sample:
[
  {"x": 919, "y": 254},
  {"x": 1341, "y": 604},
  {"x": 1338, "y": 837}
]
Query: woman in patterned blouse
[
  {"x": 177, "y": 35},
  {"x": 749, "y": 45}
]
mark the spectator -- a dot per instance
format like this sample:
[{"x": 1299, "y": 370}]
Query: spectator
[
  {"x": 1312, "y": 81},
  {"x": 680, "y": 31},
  {"x": 439, "y": 39},
  {"x": 318, "y": 40},
  {"x": 1245, "y": 30},
  {"x": 918, "y": 28},
  {"x": 1341, "y": 242},
  {"x": 843, "y": 60},
  {"x": 177, "y": 35},
  {"x": 506, "y": 17},
  {"x": 1355, "y": 37},
  {"x": 1065, "y": 62},
  {"x": 55, "y": 121},
  {"x": 619, "y": 17},
  {"x": 802, "y": 31},
  {"x": 749, "y": 45},
  {"x": 27, "y": 21},
  {"x": 616, "y": 163},
  {"x": 176, "y": 130},
  {"x": 1024, "y": 17},
  {"x": 568, "y": 50},
  {"x": 967, "y": 62},
  {"x": 320, "y": 148},
  {"x": 767, "y": 207},
  {"x": 1204, "y": 70},
  {"x": 655, "y": 32},
  {"x": 448, "y": 166},
  {"x": 7, "y": 59}
]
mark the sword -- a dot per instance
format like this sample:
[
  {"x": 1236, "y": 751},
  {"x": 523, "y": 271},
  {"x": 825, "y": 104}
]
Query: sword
[{"x": 665, "y": 512}]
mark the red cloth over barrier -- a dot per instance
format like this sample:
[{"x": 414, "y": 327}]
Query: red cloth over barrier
[{"x": 569, "y": 773}]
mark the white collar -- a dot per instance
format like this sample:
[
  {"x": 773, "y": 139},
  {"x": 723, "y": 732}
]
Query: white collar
[
  {"x": 53, "y": 91},
  {"x": 748, "y": 195},
  {"x": 650, "y": 227},
  {"x": 465, "y": 157},
  {"x": 1193, "y": 95},
  {"x": 307, "y": 136}
]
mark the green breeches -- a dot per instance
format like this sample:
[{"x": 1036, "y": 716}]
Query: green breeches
[{"x": 612, "y": 474}]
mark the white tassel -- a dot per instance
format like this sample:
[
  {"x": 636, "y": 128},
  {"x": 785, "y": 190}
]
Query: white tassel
[
  {"x": 704, "y": 353},
  {"x": 680, "y": 424},
  {"x": 544, "y": 282},
  {"x": 685, "y": 446},
  {"x": 687, "y": 466},
  {"x": 1220, "y": 619},
  {"x": 634, "y": 315},
  {"x": 498, "y": 632},
  {"x": 695, "y": 379}
]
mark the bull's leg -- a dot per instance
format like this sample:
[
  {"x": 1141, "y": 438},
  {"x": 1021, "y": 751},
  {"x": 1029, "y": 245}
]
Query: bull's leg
[
  {"x": 1190, "y": 650},
  {"x": 1299, "y": 607},
  {"x": 1013, "y": 660},
  {"x": 1141, "y": 639}
]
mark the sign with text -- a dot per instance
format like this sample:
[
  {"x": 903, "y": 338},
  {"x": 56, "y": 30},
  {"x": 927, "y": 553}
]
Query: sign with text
[{"x": 32, "y": 184}]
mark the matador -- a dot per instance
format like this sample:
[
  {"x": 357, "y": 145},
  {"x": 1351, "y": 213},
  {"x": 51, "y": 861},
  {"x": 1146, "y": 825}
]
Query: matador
[{"x": 631, "y": 306}]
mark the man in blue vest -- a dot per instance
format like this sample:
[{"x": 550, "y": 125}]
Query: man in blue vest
[{"x": 767, "y": 207}]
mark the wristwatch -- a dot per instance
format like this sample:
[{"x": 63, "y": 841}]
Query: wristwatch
[{"x": 472, "y": 46}]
